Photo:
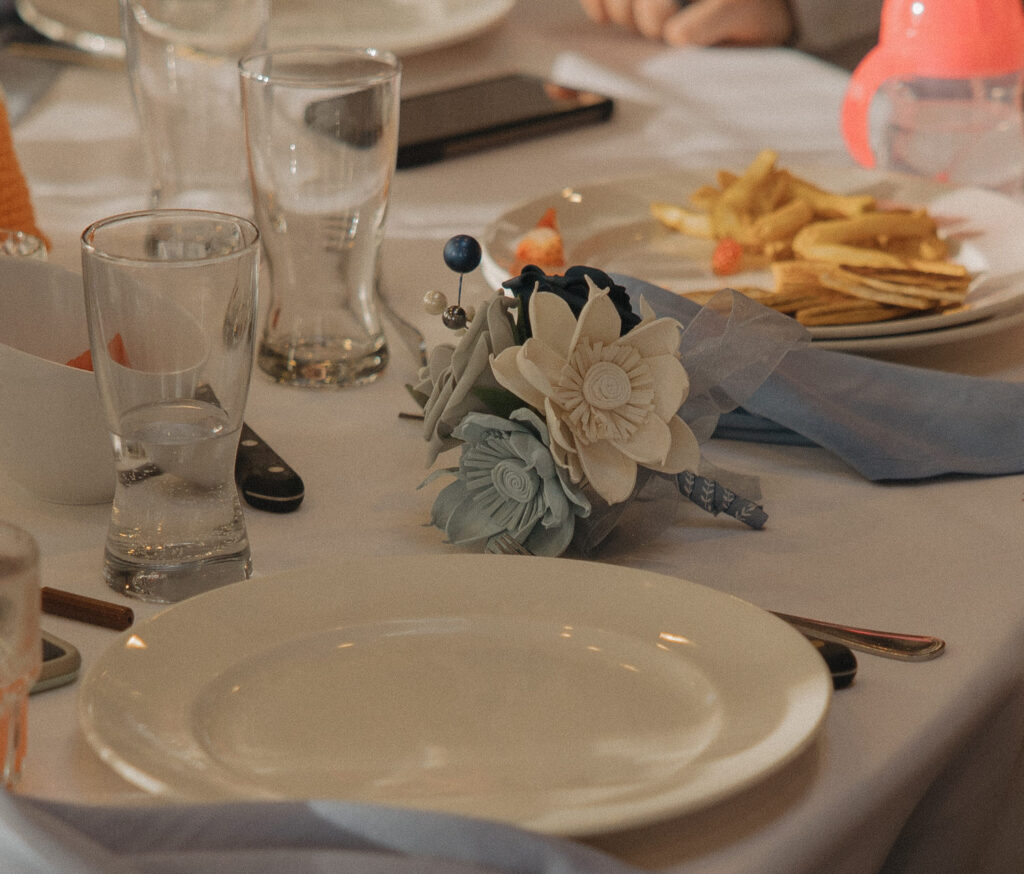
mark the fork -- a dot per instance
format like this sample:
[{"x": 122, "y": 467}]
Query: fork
[
  {"x": 889, "y": 644},
  {"x": 411, "y": 335}
]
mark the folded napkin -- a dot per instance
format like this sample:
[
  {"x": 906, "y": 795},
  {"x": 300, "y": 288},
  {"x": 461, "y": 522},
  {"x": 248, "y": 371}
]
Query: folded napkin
[
  {"x": 16, "y": 213},
  {"x": 39, "y": 837},
  {"x": 887, "y": 421}
]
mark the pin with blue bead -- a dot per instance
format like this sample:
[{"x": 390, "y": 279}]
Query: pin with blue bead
[{"x": 462, "y": 255}]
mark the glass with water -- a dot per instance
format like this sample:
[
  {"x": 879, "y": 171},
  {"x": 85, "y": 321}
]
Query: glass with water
[
  {"x": 171, "y": 305},
  {"x": 959, "y": 131}
]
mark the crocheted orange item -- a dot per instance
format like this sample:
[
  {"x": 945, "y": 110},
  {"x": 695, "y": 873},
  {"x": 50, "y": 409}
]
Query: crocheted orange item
[{"x": 16, "y": 211}]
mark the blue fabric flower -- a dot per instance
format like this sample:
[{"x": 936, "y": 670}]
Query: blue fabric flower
[
  {"x": 508, "y": 481},
  {"x": 573, "y": 288}
]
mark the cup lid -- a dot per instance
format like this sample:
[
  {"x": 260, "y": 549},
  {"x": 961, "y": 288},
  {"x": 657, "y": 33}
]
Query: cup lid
[{"x": 954, "y": 38}]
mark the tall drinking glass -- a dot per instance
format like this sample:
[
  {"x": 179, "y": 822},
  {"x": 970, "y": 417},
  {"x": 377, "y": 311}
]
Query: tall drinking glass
[
  {"x": 171, "y": 304},
  {"x": 182, "y": 58},
  {"x": 322, "y": 136},
  {"x": 20, "y": 646}
]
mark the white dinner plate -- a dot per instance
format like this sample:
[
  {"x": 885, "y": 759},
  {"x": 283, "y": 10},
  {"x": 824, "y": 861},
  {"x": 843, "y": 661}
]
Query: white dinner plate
[
  {"x": 922, "y": 339},
  {"x": 566, "y": 697},
  {"x": 398, "y": 25},
  {"x": 608, "y": 225}
]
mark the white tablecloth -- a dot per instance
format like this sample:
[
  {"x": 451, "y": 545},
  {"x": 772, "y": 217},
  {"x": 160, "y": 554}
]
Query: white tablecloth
[{"x": 919, "y": 765}]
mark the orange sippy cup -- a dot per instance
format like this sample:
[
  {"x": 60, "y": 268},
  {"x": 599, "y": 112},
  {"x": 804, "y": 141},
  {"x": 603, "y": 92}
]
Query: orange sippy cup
[{"x": 951, "y": 71}]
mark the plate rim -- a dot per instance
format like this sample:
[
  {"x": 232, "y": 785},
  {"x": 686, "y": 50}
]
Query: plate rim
[
  {"x": 97, "y": 41},
  {"x": 808, "y": 712}
]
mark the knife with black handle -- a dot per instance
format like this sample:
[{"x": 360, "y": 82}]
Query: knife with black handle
[
  {"x": 264, "y": 479},
  {"x": 841, "y": 661}
]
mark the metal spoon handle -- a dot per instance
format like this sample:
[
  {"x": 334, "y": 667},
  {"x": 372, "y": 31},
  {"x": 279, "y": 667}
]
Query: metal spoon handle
[{"x": 909, "y": 647}]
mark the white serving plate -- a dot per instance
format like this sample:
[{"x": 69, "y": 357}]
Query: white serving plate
[
  {"x": 566, "y": 697},
  {"x": 608, "y": 225},
  {"x": 401, "y": 27}
]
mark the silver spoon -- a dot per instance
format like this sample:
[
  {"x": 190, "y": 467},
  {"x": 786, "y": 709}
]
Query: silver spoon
[{"x": 908, "y": 647}]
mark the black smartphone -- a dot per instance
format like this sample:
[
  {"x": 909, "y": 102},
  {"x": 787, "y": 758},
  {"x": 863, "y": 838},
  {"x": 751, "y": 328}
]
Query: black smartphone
[
  {"x": 490, "y": 113},
  {"x": 61, "y": 662}
]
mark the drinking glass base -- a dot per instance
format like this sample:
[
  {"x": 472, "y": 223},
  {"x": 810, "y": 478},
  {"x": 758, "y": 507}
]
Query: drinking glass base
[
  {"x": 314, "y": 365},
  {"x": 169, "y": 583}
]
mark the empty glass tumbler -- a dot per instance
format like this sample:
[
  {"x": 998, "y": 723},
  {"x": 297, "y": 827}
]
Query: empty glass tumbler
[{"x": 322, "y": 136}]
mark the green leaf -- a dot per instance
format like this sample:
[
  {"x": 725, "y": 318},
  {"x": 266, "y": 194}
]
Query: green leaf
[{"x": 499, "y": 401}]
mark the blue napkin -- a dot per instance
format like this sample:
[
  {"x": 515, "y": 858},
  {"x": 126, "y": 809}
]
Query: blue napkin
[
  {"x": 263, "y": 837},
  {"x": 887, "y": 421}
]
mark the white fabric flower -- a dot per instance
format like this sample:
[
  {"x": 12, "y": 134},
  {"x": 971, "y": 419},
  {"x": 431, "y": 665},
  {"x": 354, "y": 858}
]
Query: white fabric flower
[{"x": 610, "y": 402}]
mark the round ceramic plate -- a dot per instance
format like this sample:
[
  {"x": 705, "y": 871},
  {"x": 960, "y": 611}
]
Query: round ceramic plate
[
  {"x": 402, "y": 27},
  {"x": 609, "y": 226},
  {"x": 566, "y": 697}
]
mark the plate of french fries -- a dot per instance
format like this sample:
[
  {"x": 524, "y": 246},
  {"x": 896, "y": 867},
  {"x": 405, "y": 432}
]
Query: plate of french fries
[{"x": 853, "y": 254}]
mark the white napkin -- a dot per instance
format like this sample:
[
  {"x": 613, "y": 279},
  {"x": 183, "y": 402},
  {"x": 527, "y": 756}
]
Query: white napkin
[{"x": 731, "y": 117}]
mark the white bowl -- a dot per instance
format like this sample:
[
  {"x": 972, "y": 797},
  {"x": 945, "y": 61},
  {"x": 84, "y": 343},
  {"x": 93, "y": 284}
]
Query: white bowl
[{"x": 53, "y": 437}]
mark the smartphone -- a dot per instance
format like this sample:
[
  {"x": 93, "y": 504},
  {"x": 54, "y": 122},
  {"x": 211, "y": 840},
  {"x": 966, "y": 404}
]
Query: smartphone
[
  {"x": 61, "y": 662},
  {"x": 493, "y": 112}
]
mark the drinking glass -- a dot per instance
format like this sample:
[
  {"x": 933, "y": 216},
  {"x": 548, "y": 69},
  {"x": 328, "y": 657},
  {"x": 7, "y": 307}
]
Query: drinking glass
[
  {"x": 322, "y": 132},
  {"x": 171, "y": 305},
  {"x": 20, "y": 647},
  {"x": 18, "y": 244},
  {"x": 182, "y": 58}
]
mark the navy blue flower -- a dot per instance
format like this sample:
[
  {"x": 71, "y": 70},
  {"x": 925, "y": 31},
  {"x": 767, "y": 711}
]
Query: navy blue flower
[{"x": 573, "y": 288}]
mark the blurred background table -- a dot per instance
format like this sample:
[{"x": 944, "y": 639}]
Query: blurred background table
[{"x": 919, "y": 765}]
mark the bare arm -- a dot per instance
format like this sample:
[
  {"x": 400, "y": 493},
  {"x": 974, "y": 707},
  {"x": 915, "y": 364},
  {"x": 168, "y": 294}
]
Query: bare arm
[{"x": 703, "y": 22}]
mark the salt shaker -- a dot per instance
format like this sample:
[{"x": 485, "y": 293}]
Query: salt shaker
[{"x": 950, "y": 74}]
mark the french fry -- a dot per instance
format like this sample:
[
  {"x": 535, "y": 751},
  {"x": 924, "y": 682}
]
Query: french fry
[
  {"x": 725, "y": 178},
  {"x": 835, "y": 258},
  {"x": 704, "y": 197},
  {"x": 864, "y": 228},
  {"x": 855, "y": 256},
  {"x": 827, "y": 204},
  {"x": 693, "y": 224},
  {"x": 783, "y": 222}
]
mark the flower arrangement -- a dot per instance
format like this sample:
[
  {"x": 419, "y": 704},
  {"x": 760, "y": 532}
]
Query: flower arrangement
[{"x": 564, "y": 403}]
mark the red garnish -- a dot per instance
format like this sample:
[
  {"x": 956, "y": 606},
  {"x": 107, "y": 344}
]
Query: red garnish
[
  {"x": 549, "y": 219},
  {"x": 542, "y": 244},
  {"x": 115, "y": 347},
  {"x": 83, "y": 361},
  {"x": 117, "y": 351},
  {"x": 727, "y": 257}
]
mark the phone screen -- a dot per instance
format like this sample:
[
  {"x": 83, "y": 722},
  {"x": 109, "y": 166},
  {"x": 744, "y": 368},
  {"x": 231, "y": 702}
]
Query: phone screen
[{"x": 490, "y": 113}]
